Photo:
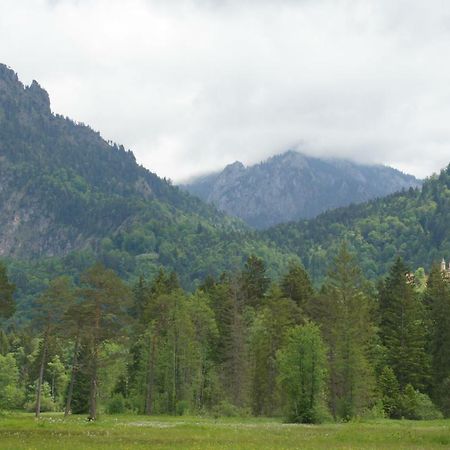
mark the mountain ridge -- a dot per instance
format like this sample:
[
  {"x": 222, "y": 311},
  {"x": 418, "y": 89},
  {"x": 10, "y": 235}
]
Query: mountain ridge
[
  {"x": 69, "y": 198},
  {"x": 292, "y": 186}
]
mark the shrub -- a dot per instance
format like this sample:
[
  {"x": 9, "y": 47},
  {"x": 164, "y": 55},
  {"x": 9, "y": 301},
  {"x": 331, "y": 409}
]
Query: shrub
[
  {"x": 11, "y": 396},
  {"x": 182, "y": 407},
  {"x": 116, "y": 404},
  {"x": 47, "y": 403},
  {"x": 417, "y": 406},
  {"x": 225, "y": 409}
]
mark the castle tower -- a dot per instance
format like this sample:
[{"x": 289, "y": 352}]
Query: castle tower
[{"x": 443, "y": 266}]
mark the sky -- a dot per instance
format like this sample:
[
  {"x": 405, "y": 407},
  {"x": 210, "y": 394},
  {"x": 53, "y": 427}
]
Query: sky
[{"x": 193, "y": 85}]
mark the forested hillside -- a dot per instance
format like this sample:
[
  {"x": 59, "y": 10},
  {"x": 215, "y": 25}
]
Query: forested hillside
[
  {"x": 69, "y": 198},
  {"x": 413, "y": 224},
  {"x": 293, "y": 186}
]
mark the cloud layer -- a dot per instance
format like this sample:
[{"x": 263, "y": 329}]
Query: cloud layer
[{"x": 191, "y": 85}]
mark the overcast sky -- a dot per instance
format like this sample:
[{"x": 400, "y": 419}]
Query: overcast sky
[{"x": 192, "y": 85}]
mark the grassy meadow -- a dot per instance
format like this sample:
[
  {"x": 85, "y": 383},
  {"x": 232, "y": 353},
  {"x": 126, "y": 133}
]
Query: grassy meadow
[{"x": 52, "y": 431}]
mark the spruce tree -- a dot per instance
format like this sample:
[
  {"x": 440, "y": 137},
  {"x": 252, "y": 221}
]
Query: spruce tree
[
  {"x": 437, "y": 298},
  {"x": 403, "y": 328},
  {"x": 267, "y": 335},
  {"x": 345, "y": 313},
  {"x": 7, "y": 305},
  {"x": 296, "y": 285},
  {"x": 254, "y": 281}
]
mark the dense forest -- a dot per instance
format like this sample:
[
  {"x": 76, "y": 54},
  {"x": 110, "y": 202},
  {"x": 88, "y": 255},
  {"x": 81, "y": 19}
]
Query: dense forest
[
  {"x": 68, "y": 198},
  {"x": 240, "y": 344},
  {"x": 412, "y": 224}
]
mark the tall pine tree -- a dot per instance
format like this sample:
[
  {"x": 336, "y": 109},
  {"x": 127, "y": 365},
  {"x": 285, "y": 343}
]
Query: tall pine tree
[
  {"x": 403, "y": 328},
  {"x": 345, "y": 313},
  {"x": 437, "y": 298}
]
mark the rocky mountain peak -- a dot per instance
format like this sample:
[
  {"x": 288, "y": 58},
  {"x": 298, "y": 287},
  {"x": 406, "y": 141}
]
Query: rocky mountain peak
[
  {"x": 293, "y": 186},
  {"x": 7, "y": 74},
  {"x": 38, "y": 95},
  {"x": 237, "y": 166}
]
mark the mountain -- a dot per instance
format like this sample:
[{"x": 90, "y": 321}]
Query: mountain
[
  {"x": 292, "y": 186},
  {"x": 68, "y": 198},
  {"x": 414, "y": 224}
]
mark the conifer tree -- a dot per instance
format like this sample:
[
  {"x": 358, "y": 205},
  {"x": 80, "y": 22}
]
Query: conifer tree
[
  {"x": 105, "y": 302},
  {"x": 7, "y": 305},
  {"x": 74, "y": 321},
  {"x": 51, "y": 307},
  {"x": 437, "y": 298},
  {"x": 231, "y": 351},
  {"x": 296, "y": 285},
  {"x": 390, "y": 393},
  {"x": 403, "y": 328},
  {"x": 254, "y": 280},
  {"x": 267, "y": 335},
  {"x": 345, "y": 313}
]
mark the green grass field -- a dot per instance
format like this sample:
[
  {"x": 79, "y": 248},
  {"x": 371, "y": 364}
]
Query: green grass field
[{"x": 52, "y": 431}]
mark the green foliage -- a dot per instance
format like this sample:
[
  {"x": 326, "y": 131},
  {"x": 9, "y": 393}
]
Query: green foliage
[
  {"x": 417, "y": 406},
  {"x": 345, "y": 313},
  {"x": 47, "y": 402},
  {"x": 266, "y": 336},
  {"x": 11, "y": 394},
  {"x": 234, "y": 347},
  {"x": 87, "y": 200},
  {"x": 296, "y": 285},
  {"x": 105, "y": 301},
  {"x": 116, "y": 404},
  {"x": 254, "y": 281},
  {"x": 390, "y": 392},
  {"x": 403, "y": 328},
  {"x": 226, "y": 409},
  {"x": 437, "y": 300},
  {"x": 302, "y": 363},
  {"x": 7, "y": 305},
  {"x": 412, "y": 224}
]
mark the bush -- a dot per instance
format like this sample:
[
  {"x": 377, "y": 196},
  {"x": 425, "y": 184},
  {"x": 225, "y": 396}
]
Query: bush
[
  {"x": 417, "y": 406},
  {"x": 116, "y": 404},
  {"x": 47, "y": 403},
  {"x": 182, "y": 407},
  {"x": 11, "y": 395},
  {"x": 226, "y": 409},
  {"x": 442, "y": 396},
  {"x": 425, "y": 408},
  {"x": 376, "y": 412}
]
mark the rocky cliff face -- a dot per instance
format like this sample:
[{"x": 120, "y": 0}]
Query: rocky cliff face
[
  {"x": 293, "y": 186},
  {"x": 62, "y": 186}
]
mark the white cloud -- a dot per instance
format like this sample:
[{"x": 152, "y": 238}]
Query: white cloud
[{"x": 191, "y": 85}]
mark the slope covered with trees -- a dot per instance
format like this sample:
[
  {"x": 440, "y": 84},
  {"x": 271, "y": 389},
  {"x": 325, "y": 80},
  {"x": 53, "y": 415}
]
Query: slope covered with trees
[
  {"x": 412, "y": 224},
  {"x": 69, "y": 198}
]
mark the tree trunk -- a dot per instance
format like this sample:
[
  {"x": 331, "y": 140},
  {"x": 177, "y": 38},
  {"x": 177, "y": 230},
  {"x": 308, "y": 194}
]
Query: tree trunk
[
  {"x": 93, "y": 392},
  {"x": 150, "y": 378},
  {"x": 94, "y": 375},
  {"x": 41, "y": 375},
  {"x": 72, "y": 376}
]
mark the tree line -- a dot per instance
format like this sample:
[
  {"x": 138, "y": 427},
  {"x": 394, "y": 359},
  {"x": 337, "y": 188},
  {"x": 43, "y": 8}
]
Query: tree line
[{"x": 240, "y": 344}]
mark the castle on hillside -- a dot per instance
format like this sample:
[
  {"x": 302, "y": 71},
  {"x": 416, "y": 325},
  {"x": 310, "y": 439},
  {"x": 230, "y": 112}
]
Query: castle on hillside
[{"x": 444, "y": 269}]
